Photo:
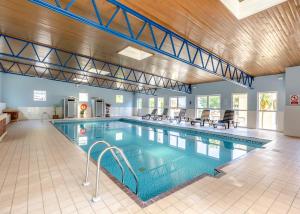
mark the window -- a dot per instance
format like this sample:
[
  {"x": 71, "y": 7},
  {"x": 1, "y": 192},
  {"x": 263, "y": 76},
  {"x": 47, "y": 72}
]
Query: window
[
  {"x": 83, "y": 97},
  {"x": 267, "y": 107},
  {"x": 119, "y": 99},
  {"x": 176, "y": 103},
  {"x": 39, "y": 95},
  {"x": 240, "y": 107},
  {"x": 212, "y": 102},
  {"x": 139, "y": 105},
  {"x": 160, "y": 105},
  {"x": 151, "y": 104}
]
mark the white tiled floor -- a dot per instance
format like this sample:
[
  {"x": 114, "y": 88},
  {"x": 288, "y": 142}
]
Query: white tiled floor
[{"x": 41, "y": 172}]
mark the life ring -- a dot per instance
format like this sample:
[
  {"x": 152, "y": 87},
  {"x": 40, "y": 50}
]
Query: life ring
[{"x": 83, "y": 107}]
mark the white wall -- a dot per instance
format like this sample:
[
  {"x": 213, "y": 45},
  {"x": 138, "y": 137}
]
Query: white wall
[
  {"x": 19, "y": 94},
  {"x": 225, "y": 89},
  {"x": 0, "y": 87},
  {"x": 292, "y": 112},
  {"x": 2, "y": 105}
]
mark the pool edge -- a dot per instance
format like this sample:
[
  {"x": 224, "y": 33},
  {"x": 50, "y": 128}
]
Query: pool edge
[{"x": 125, "y": 189}]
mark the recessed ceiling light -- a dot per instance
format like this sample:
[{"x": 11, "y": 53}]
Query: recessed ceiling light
[
  {"x": 135, "y": 53},
  {"x": 80, "y": 80},
  {"x": 97, "y": 71}
]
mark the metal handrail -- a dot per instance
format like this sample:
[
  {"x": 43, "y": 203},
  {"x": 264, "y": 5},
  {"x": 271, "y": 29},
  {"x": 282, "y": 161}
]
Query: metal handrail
[
  {"x": 86, "y": 182},
  {"x": 96, "y": 198}
]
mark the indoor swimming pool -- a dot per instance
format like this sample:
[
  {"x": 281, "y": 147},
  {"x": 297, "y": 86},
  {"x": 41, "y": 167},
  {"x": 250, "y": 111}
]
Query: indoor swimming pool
[{"x": 163, "y": 158}]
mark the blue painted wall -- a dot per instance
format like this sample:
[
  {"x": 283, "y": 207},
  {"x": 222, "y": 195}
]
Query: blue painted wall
[
  {"x": 225, "y": 89},
  {"x": 19, "y": 92},
  {"x": 0, "y": 87}
]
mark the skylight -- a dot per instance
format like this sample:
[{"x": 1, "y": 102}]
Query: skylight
[
  {"x": 80, "y": 80},
  {"x": 97, "y": 71},
  {"x": 135, "y": 53},
  {"x": 244, "y": 8}
]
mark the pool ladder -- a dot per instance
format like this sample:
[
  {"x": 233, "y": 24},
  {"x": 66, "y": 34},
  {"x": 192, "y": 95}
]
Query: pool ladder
[{"x": 112, "y": 149}]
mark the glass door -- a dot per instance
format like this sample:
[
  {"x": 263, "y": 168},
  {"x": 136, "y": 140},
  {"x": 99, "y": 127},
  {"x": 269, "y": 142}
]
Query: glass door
[
  {"x": 201, "y": 104},
  {"x": 211, "y": 102},
  {"x": 173, "y": 106},
  {"x": 151, "y": 104},
  {"x": 267, "y": 110},
  {"x": 176, "y": 103},
  {"x": 240, "y": 107},
  {"x": 160, "y": 105},
  {"x": 139, "y": 105}
]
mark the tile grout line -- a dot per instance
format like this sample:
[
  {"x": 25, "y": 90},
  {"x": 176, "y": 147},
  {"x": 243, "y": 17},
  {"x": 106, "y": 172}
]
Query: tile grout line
[
  {"x": 16, "y": 180},
  {"x": 51, "y": 151}
]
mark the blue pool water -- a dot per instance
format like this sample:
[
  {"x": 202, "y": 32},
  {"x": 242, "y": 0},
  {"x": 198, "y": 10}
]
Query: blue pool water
[{"x": 162, "y": 157}]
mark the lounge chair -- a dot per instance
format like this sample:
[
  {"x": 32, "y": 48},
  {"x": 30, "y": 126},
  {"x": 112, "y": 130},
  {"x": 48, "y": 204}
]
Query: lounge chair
[
  {"x": 181, "y": 115},
  {"x": 149, "y": 116},
  {"x": 204, "y": 118},
  {"x": 162, "y": 116},
  {"x": 228, "y": 119}
]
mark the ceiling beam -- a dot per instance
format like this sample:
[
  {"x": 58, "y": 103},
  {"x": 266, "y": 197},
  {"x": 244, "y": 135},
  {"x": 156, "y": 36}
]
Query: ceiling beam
[
  {"x": 24, "y": 69},
  {"x": 26, "y": 50},
  {"x": 186, "y": 52}
]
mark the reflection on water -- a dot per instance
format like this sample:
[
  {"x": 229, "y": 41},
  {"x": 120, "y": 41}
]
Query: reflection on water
[
  {"x": 119, "y": 136},
  {"x": 162, "y": 157}
]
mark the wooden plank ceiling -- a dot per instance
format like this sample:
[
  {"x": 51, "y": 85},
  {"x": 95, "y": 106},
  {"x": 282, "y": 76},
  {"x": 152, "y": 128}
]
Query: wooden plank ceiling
[{"x": 264, "y": 43}]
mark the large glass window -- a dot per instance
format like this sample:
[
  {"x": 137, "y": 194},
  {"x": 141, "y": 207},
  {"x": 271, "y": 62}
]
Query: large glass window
[
  {"x": 267, "y": 110},
  {"x": 160, "y": 105},
  {"x": 240, "y": 107},
  {"x": 212, "y": 102},
  {"x": 151, "y": 104},
  {"x": 177, "y": 103}
]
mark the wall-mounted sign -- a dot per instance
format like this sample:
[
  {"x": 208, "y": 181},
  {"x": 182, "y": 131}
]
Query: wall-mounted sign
[{"x": 294, "y": 99}]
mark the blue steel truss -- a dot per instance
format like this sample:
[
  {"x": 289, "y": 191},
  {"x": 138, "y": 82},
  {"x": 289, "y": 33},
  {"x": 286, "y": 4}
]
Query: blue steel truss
[
  {"x": 170, "y": 44},
  {"x": 24, "y": 69},
  {"x": 25, "y": 50}
]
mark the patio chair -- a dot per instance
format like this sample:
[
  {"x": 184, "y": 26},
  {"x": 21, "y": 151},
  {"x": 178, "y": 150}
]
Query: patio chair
[
  {"x": 162, "y": 116},
  {"x": 149, "y": 116},
  {"x": 228, "y": 119},
  {"x": 181, "y": 116},
  {"x": 204, "y": 118}
]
